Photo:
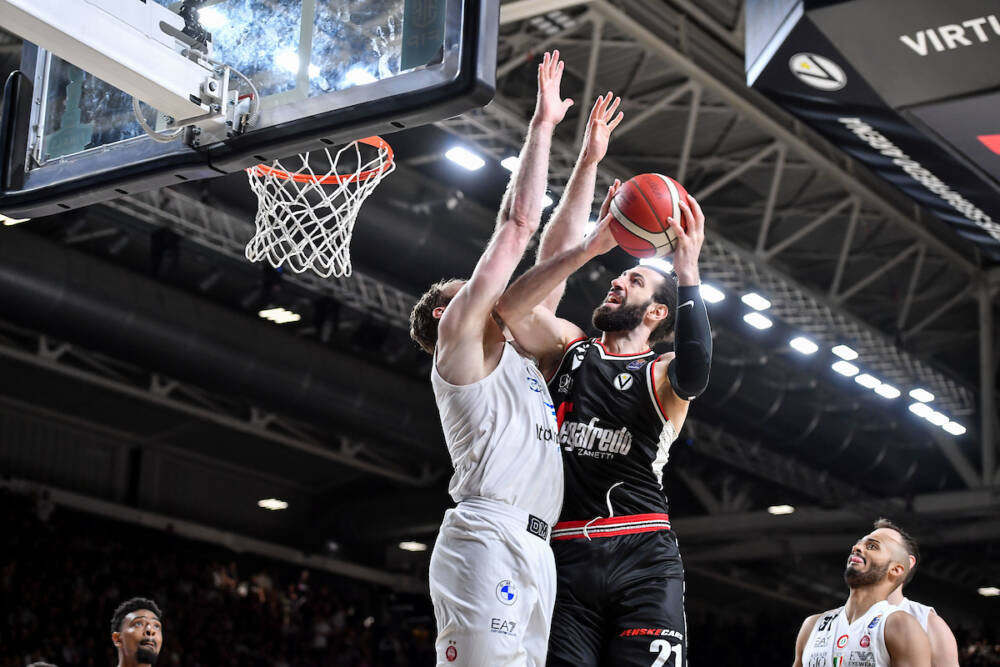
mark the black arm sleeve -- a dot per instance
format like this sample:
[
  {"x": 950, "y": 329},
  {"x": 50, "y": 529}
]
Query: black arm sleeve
[{"x": 688, "y": 371}]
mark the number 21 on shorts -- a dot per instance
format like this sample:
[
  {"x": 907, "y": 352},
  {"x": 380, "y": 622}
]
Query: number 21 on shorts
[{"x": 663, "y": 647}]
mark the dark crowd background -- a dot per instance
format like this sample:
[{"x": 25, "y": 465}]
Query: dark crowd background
[{"x": 62, "y": 573}]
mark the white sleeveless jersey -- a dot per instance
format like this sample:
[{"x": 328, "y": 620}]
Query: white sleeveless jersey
[
  {"x": 836, "y": 643},
  {"x": 502, "y": 436},
  {"x": 921, "y": 612}
]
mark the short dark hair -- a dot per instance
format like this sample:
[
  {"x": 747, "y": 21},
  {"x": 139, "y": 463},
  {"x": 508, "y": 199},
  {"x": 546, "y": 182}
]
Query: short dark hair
[
  {"x": 665, "y": 293},
  {"x": 41, "y": 664},
  {"x": 423, "y": 324},
  {"x": 127, "y": 607},
  {"x": 909, "y": 544}
]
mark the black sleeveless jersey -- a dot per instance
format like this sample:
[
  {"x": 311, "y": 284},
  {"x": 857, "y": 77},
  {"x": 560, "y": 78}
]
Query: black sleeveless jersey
[{"x": 613, "y": 432}]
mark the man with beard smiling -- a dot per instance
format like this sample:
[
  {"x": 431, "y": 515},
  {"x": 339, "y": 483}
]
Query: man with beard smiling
[
  {"x": 619, "y": 406},
  {"x": 867, "y": 631},
  {"x": 136, "y": 632}
]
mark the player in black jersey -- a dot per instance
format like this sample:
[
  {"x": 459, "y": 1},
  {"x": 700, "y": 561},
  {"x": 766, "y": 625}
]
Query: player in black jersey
[{"x": 619, "y": 405}]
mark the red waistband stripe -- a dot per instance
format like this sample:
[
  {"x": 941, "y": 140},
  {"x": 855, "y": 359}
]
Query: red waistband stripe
[{"x": 610, "y": 527}]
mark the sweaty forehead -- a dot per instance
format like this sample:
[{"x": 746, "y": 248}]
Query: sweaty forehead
[
  {"x": 886, "y": 536},
  {"x": 141, "y": 613},
  {"x": 651, "y": 276}
]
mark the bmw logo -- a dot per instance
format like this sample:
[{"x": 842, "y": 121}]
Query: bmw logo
[{"x": 506, "y": 592}]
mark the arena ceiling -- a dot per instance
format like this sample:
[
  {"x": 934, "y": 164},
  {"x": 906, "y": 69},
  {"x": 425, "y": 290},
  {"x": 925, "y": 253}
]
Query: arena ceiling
[{"x": 137, "y": 370}]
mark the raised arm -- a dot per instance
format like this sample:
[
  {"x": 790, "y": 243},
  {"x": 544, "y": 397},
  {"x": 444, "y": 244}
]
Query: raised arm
[
  {"x": 906, "y": 641},
  {"x": 568, "y": 223},
  {"x": 535, "y": 327},
  {"x": 466, "y": 327}
]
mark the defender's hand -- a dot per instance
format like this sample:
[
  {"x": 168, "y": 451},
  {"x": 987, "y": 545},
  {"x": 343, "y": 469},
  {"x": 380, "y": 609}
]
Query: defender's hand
[
  {"x": 601, "y": 124},
  {"x": 600, "y": 240},
  {"x": 550, "y": 107}
]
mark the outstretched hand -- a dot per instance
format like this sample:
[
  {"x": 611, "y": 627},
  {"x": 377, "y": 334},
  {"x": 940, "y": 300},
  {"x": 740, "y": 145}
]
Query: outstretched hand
[
  {"x": 690, "y": 236},
  {"x": 601, "y": 124},
  {"x": 600, "y": 240},
  {"x": 550, "y": 107},
  {"x": 606, "y": 206}
]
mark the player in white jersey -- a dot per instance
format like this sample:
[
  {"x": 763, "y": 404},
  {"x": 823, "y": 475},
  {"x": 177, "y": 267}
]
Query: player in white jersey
[
  {"x": 492, "y": 574},
  {"x": 867, "y": 631},
  {"x": 944, "y": 648}
]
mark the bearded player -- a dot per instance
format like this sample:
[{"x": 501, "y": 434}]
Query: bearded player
[
  {"x": 137, "y": 633},
  {"x": 867, "y": 630},
  {"x": 619, "y": 407},
  {"x": 492, "y": 574}
]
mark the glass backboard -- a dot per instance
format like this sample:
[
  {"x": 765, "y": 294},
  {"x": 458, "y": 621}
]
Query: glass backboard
[{"x": 327, "y": 72}]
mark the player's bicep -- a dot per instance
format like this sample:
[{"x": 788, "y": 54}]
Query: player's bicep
[
  {"x": 906, "y": 641},
  {"x": 543, "y": 335},
  {"x": 944, "y": 648},
  {"x": 800, "y": 641}
]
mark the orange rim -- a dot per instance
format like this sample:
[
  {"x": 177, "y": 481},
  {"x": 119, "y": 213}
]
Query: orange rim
[{"x": 377, "y": 142}]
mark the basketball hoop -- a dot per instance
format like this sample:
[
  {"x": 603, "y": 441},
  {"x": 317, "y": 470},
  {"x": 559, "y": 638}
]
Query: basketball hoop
[{"x": 305, "y": 219}]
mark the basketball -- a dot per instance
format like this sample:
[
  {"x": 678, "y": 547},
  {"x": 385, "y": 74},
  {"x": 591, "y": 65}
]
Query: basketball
[{"x": 641, "y": 208}]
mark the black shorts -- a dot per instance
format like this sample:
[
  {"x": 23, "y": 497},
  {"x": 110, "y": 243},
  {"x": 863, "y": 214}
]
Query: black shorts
[{"x": 619, "y": 602}]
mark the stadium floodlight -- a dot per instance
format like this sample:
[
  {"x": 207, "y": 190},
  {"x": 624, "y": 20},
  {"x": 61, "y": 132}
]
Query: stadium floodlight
[
  {"x": 988, "y": 591},
  {"x": 272, "y": 504},
  {"x": 211, "y": 18},
  {"x": 921, "y": 409},
  {"x": 711, "y": 294},
  {"x": 887, "y": 391},
  {"x": 279, "y": 315},
  {"x": 657, "y": 263},
  {"x": 10, "y": 222},
  {"x": 921, "y": 395},
  {"x": 780, "y": 509},
  {"x": 803, "y": 345},
  {"x": 937, "y": 418},
  {"x": 465, "y": 158},
  {"x": 510, "y": 162},
  {"x": 755, "y": 301},
  {"x": 845, "y": 368},
  {"x": 546, "y": 201},
  {"x": 845, "y": 353},
  {"x": 357, "y": 76},
  {"x": 954, "y": 428},
  {"x": 867, "y": 381},
  {"x": 757, "y": 321},
  {"x": 413, "y": 546}
]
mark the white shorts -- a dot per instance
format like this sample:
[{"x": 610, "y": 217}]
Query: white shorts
[{"x": 493, "y": 585}]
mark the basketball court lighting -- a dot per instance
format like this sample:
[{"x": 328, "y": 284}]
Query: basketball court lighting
[
  {"x": 780, "y": 509},
  {"x": 937, "y": 418},
  {"x": 710, "y": 293},
  {"x": 803, "y": 345},
  {"x": 465, "y": 158},
  {"x": 845, "y": 353},
  {"x": 357, "y": 76},
  {"x": 10, "y": 222},
  {"x": 867, "y": 381},
  {"x": 211, "y": 18},
  {"x": 657, "y": 263},
  {"x": 279, "y": 315},
  {"x": 510, "y": 162},
  {"x": 921, "y": 409},
  {"x": 757, "y": 321},
  {"x": 921, "y": 395},
  {"x": 845, "y": 368},
  {"x": 272, "y": 504},
  {"x": 755, "y": 301},
  {"x": 547, "y": 201},
  {"x": 413, "y": 546},
  {"x": 988, "y": 591},
  {"x": 954, "y": 428},
  {"x": 887, "y": 391}
]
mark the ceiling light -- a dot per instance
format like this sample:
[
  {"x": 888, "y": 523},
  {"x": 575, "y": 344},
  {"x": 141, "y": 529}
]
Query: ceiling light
[
  {"x": 711, "y": 294},
  {"x": 954, "y": 428},
  {"x": 10, "y": 222},
  {"x": 465, "y": 158},
  {"x": 988, "y": 591},
  {"x": 845, "y": 353},
  {"x": 921, "y": 409},
  {"x": 867, "y": 381},
  {"x": 413, "y": 546},
  {"x": 937, "y": 418},
  {"x": 921, "y": 395},
  {"x": 288, "y": 59},
  {"x": 887, "y": 391},
  {"x": 803, "y": 345},
  {"x": 358, "y": 76},
  {"x": 757, "y": 320},
  {"x": 657, "y": 263},
  {"x": 845, "y": 368},
  {"x": 546, "y": 201},
  {"x": 272, "y": 504},
  {"x": 510, "y": 163},
  {"x": 780, "y": 509},
  {"x": 211, "y": 18},
  {"x": 755, "y": 301},
  {"x": 279, "y": 315}
]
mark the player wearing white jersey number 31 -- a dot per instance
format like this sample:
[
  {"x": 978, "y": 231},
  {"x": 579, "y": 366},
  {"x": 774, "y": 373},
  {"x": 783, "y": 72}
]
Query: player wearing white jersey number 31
[{"x": 492, "y": 573}]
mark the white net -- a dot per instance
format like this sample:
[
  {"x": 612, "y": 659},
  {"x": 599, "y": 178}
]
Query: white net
[{"x": 305, "y": 217}]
